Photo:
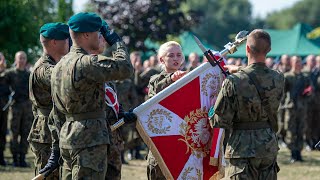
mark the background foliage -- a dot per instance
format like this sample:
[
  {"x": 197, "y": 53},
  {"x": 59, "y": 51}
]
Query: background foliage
[{"x": 21, "y": 20}]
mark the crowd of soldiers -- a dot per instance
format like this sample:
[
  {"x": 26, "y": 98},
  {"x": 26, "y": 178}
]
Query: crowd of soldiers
[
  {"x": 132, "y": 92},
  {"x": 19, "y": 102}
]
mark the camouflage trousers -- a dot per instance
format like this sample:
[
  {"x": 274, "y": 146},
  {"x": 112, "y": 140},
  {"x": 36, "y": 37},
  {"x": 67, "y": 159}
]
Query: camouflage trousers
[
  {"x": 20, "y": 124},
  {"x": 153, "y": 169},
  {"x": 42, "y": 153},
  {"x": 252, "y": 168},
  {"x": 312, "y": 126},
  {"x": 131, "y": 137},
  {"x": 114, "y": 157},
  {"x": 85, "y": 163},
  {"x": 294, "y": 124},
  {"x": 282, "y": 130}
]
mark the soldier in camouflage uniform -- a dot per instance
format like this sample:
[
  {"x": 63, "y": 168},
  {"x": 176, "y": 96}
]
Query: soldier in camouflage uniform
[
  {"x": 283, "y": 67},
  {"x": 315, "y": 77},
  {"x": 144, "y": 79},
  {"x": 116, "y": 147},
  {"x": 21, "y": 112},
  {"x": 252, "y": 146},
  {"x": 54, "y": 38},
  {"x": 77, "y": 84},
  {"x": 127, "y": 94},
  {"x": 116, "y": 141},
  {"x": 297, "y": 88},
  {"x": 310, "y": 72},
  {"x": 170, "y": 55},
  {"x": 141, "y": 81},
  {"x": 4, "y": 94}
]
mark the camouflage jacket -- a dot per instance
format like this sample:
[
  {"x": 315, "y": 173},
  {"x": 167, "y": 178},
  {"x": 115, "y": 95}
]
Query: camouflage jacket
[
  {"x": 144, "y": 79},
  {"x": 158, "y": 82},
  {"x": 40, "y": 96},
  {"x": 315, "y": 78},
  {"x": 294, "y": 87},
  {"x": 145, "y": 76},
  {"x": 127, "y": 94},
  {"x": 77, "y": 84},
  {"x": 239, "y": 102},
  {"x": 18, "y": 82}
]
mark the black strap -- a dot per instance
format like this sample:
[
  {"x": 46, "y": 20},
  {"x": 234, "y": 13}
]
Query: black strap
[
  {"x": 264, "y": 100},
  {"x": 251, "y": 125}
]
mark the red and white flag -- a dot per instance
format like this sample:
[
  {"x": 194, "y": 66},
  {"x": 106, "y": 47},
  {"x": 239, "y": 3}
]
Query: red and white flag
[{"x": 174, "y": 124}]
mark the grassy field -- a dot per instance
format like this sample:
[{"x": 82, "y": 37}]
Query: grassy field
[{"x": 136, "y": 170}]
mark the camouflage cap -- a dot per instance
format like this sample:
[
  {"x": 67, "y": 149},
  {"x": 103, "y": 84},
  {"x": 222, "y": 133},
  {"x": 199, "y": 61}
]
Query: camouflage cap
[
  {"x": 85, "y": 22},
  {"x": 58, "y": 31}
]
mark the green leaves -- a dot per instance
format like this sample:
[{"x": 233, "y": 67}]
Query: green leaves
[
  {"x": 138, "y": 20},
  {"x": 20, "y": 24},
  {"x": 305, "y": 11}
]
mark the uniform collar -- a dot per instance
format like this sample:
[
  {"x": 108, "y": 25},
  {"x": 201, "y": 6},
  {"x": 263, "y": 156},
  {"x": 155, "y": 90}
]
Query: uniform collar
[
  {"x": 78, "y": 49},
  {"x": 258, "y": 65},
  {"x": 49, "y": 59}
]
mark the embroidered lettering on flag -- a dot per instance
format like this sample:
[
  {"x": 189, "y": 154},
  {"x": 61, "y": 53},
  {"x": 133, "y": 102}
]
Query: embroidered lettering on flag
[{"x": 174, "y": 124}]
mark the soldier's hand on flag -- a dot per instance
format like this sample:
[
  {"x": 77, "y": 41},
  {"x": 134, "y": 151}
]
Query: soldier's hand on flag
[
  {"x": 232, "y": 68},
  {"x": 177, "y": 75},
  {"x": 128, "y": 117}
]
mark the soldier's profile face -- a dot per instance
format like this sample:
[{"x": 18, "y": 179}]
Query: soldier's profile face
[
  {"x": 102, "y": 44},
  {"x": 97, "y": 42}
]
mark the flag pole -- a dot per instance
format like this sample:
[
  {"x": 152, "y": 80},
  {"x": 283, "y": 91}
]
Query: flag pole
[{"x": 230, "y": 48}]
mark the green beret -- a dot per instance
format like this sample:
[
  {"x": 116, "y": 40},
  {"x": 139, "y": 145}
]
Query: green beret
[
  {"x": 58, "y": 31},
  {"x": 85, "y": 22}
]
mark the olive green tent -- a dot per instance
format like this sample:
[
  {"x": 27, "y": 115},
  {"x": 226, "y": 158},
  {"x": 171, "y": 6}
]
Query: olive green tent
[{"x": 292, "y": 42}]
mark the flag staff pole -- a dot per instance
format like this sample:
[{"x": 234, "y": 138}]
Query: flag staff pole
[{"x": 230, "y": 48}]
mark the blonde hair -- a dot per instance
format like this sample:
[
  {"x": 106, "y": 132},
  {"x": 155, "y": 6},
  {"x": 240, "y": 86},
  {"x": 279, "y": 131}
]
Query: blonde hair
[{"x": 164, "y": 48}]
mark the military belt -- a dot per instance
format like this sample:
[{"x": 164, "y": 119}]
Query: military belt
[
  {"x": 44, "y": 112},
  {"x": 251, "y": 125},
  {"x": 85, "y": 116}
]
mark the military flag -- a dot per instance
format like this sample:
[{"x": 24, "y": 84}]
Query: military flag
[{"x": 174, "y": 124}]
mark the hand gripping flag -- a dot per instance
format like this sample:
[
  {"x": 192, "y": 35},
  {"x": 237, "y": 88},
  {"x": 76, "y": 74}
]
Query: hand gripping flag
[{"x": 174, "y": 125}]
